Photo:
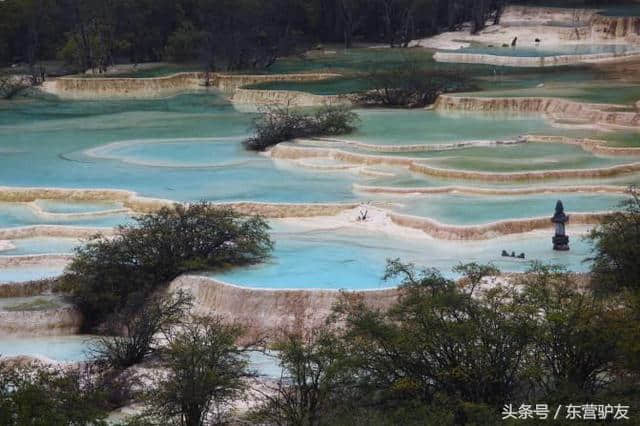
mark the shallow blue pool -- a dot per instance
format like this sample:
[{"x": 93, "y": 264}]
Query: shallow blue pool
[
  {"x": 41, "y": 245},
  {"x": 472, "y": 210},
  {"x": 185, "y": 148},
  {"x": 552, "y": 50},
  {"x": 29, "y": 273},
  {"x": 103, "y": 215},
  {"x": 78, "y": 348},
  {"x": 349, "y": 259}
]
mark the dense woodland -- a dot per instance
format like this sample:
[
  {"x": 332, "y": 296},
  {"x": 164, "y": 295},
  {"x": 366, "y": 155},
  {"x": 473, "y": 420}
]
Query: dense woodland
[{"x": 220, "y": 34}]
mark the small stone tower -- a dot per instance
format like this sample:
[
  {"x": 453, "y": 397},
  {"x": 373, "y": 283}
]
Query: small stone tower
[{"x": 560, "y": 239}]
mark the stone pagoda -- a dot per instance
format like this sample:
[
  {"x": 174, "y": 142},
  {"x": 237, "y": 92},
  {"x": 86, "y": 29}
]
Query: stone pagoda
[{"x": 559, "y": 219}]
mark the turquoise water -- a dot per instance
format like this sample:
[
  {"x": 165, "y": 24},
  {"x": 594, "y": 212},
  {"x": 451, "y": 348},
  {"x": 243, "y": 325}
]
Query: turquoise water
[
  {"x": 518, "y": 158},
  {"x": 555, "y": 50},
  {"x": 18, "y": 214},
  {"x": 47, "y": 143},
  {"x": 188, "y": 148},
  {"x": 41, "y": 245},
  {"x": 352, "y": 259},
  {"x": 334, "y": 86},
  {"x": 62, "y": 206},
  {"x": 78, "y": 348},
  {"x": 623, "y": 139},
  {"x": 58, "y": 348},
  {"x": 29, "y": 273},
  {"x": 192, "y": 153},
  {"x": 593, "y": 92},
  {"x": 405, "y": 179},
  {"x": 471, "y": 210},
  {"x": 408, "y": 127},
  {"x": 353, "y": 60}
]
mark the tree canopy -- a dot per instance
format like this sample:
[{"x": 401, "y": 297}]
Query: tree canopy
[
  {"x": 220, "y": 34},
  {"x": 119, "y": 273}
]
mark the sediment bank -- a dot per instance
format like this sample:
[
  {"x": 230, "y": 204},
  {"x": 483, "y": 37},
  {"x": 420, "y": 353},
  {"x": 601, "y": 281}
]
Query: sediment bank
[
  {"x": 140, "y": 204},
  {"x": 490, "y": 230},
  {"x": 270, "y": 312},
  {"x": 34, "y": 260},
  {"x": 129, "y": 199},
  {"x": 607, "y": 28},
  {"x": 532, "y": 15},
  {"x": 120, "y": 87},
  {"x": 154, "y": 87},
  {"x": 594, "y": 146},
  {"x": 543, "y": 28},
  {"x": 556, "y": 109},
  {"x": 603, "y": 172},
  {"x": 26, "y": 288},
  {"x": 287, "y": 97},
  {"x": 232, "y": 82},
  {"x": 533, "y": 61},
  {"x": 470, "y": 190},
  {"x": 291, "y": 152},
  {"x": 56, "y": 231},
  {"x": 62, "y": 321},
  {"x": 409, "y": 148}
]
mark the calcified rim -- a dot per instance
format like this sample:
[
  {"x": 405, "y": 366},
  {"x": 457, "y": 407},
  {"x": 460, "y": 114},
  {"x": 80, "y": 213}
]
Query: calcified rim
[
  {"x": 41, "y": 212},
  {"x": 289, "y": 151},
  {"x": 532, "y": 61},
  {"x": 288, "y": 210},
  {"x": 202, "y": 74},
  {"x": 139, "y": 204},
  {"x": 55, "y": 231},
  {"x": 595, "y": 146},
  {"x": 45, "y": 259},
  {"x": 410, "y": 148},
  {"x": 556, "y": 109},
  {"x": 70, "y": 87},
  {"x": 470, "y": 190},
  {"x": 260, "y": 97},
  {"x": 490, "y": 230},
  {"x": 186, "y": 280},
  {"x": 431, "y": 227}
]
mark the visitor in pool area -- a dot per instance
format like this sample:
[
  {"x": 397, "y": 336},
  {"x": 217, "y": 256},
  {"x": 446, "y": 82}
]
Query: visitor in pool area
[{"x": 513, "y": 254}]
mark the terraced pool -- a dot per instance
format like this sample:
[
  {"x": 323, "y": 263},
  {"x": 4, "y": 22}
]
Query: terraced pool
[
  {"x": 78, "y": 348},
  {"x": 188, "y": 148},
  {"x": 353, "y": 259},
  {"x": 549, "y": 50}
]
